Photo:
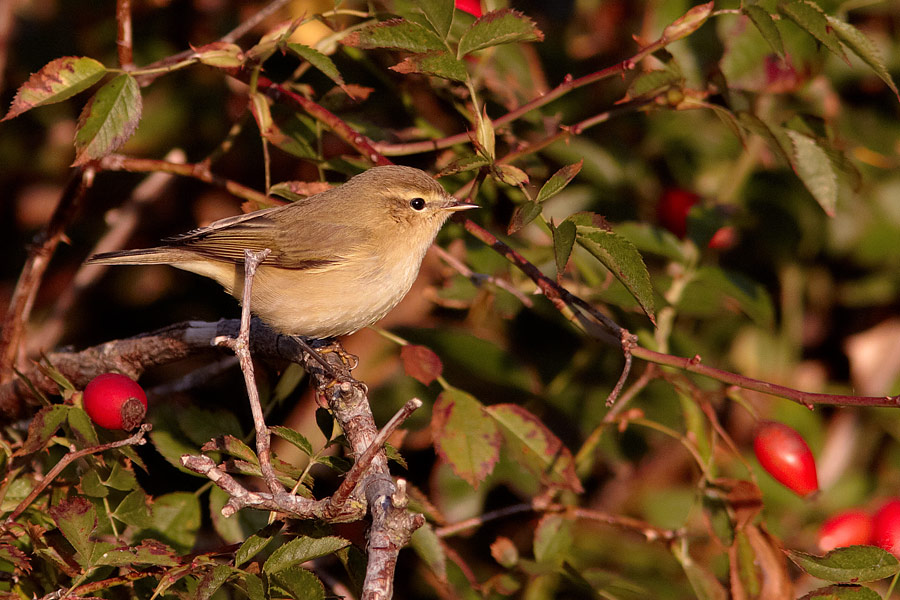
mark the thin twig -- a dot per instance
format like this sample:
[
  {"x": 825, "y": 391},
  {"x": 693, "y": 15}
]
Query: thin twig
[
  {"x": 124, "y": 38},
  {"x": 629, "y": 341},
  {"x": 22, "y": 301},
  {"x": 254, "y": 20},
  {"x": 480, "y": 278},
  {"x": 241, "y": 347},
  {"x": 364, "y": 461},
  {"x": 136, "y": 439}
]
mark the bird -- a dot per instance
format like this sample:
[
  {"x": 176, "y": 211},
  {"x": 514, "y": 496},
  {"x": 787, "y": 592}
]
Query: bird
[{"x": 339, "y": 260}]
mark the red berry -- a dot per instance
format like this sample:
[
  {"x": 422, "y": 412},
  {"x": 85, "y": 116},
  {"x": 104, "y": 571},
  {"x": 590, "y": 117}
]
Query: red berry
[
  {"x": 847, "y": 528},
  {"x": 673, "y": 209},
  {"x": 473, "y": 7},
  {"x": 115, "y": 401},
  {"x": 886, "y": 527},
  {"x": 784, "y": 454}
]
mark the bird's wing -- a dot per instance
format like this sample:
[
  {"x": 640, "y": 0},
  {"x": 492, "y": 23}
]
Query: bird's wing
[{"x": 309, "y": 242}]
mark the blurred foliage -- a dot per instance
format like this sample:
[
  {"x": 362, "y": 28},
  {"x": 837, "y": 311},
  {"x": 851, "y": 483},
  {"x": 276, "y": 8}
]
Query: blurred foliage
[{"x": 770, "y": 130}]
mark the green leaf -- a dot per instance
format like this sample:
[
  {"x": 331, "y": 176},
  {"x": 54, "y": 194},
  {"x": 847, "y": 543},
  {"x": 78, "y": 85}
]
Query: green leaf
[
  {"x": 134, "y": 510},
  {"x": 650, "y": 239},
  {"x": 317, "y": 60},
  {"x": 765, "y": 24},
  {"x": 523, "y": 215},
  {"x": 149, "y": 552},
  {"x": 713, "y": 289},
  {"x": 77, "y": 519},
  {"x": 396, "y": 34},
  {"x": 299, "y": 583},
  {"x": 563, "y": 242},
  {"x": 559, "y": 181},
  {"x": 56, "y": 81},
  {"x": 108, "y": 119},
  {"x": 294, "y": 437},
  {"x": 853, "y": 563},
  {"x": 429, "y": 547},
  {"x": 439, "y": 63},
  {"x": 254, "y": 544},
  {"x": 776, "y": 139},
  {"x": 535, "y": 447},
  {"x": 552, "y": 539},
  {"x": 842, "y": 592},
  {"x": 652, "y": 83},
  {"x": 44, "y": 426},
  {"x": 176, "y": 517},
  {"x": 82, "y": 427},
  {"x": 688, "y": 23},
  {"x": 465, "y": 436},
  {"x": 815, "y": 170},
  {"x": 213, "y": 580},
  {"x": 623, "y": 260},
  {"x": 439, "y": 14},
  {"x": 809, "y": 17},
  {"x": 864, "y": 48},
  {"x": 498, "y": 27},
  {"x": 300, "y": 550},
  {"x": 91, "y": 485}
]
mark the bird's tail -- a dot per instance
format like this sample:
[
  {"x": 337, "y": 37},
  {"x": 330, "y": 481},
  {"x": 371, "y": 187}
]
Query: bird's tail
[{"x": 144, "y": 256}]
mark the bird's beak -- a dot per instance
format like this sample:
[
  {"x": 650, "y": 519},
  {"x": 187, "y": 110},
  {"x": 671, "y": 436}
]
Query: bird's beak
[{"x": 455, "y": 205}]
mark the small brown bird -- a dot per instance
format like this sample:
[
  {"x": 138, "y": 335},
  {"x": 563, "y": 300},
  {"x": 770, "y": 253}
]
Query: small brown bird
[{"x": 340, "y": 260}]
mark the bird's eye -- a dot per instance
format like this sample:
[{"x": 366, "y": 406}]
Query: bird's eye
[{"x": 417, "y": 203}]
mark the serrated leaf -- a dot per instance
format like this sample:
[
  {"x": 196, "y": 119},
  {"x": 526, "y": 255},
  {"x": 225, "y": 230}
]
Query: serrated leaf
[
  {"x": 176, "y": 516},
  {"x": 294, "y": 437},
  {"x": 77, "y": 519},
  {"x": 535, "y": 447},
  {"x": 108, "y": 119},
  {"x": 498, "y": 27},
  {"x": 559, "y": 181},
  {"x": 82, "y": 427},
  {"x": 439, "y": 14},
  {"x": 318, "y": 60},
  {"x": 299, "y": 583},
  {"x": 300, "y": 550},
  {"x": 810, "y": 18},
  {"x": 58, "y": 80},
  {"x": 255, "y": 544},
  {"x": 421, "y": 363},
  {"x": 220, "y": 54},
  {"x": 466, "y": 163},
  {"x": 439, "y": 63},
  {"x": 842, "y": 592},
  {"x": 396, "y": 34},
  {"x": 623, "y": 260},
  {"x": 148, "y": 552},
  {"x": 563, "y": 242},
  {"x": 754, "y": 124},
  {"x": 814, "y": 168},
  {"x": 133, "y": 510},
  {"x": 232, "y": 446},
  {"x": 864, "y": 48},
  {"x": 765, "y": 24},
  {"x": 465, "y": 436},
  {"x": 523, "y": 215},
  {"x": 43, "y": 427},
  {"x": 688, "y": 23},
  {"x": 852, "y": 563},
  {"x": 508, "y": 174},
  {"x": 213, "y": 580}
]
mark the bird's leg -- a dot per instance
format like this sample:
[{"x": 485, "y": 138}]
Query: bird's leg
[{"x": 316, "y": 350}]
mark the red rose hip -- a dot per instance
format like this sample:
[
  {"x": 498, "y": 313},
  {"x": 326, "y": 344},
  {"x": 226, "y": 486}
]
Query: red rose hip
[
  {"x": 115, "y": 401},
  {"x": 886, "y": 527},
  {"x": 847, "y": 528},
  {"x": 786, "y": 457}
]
